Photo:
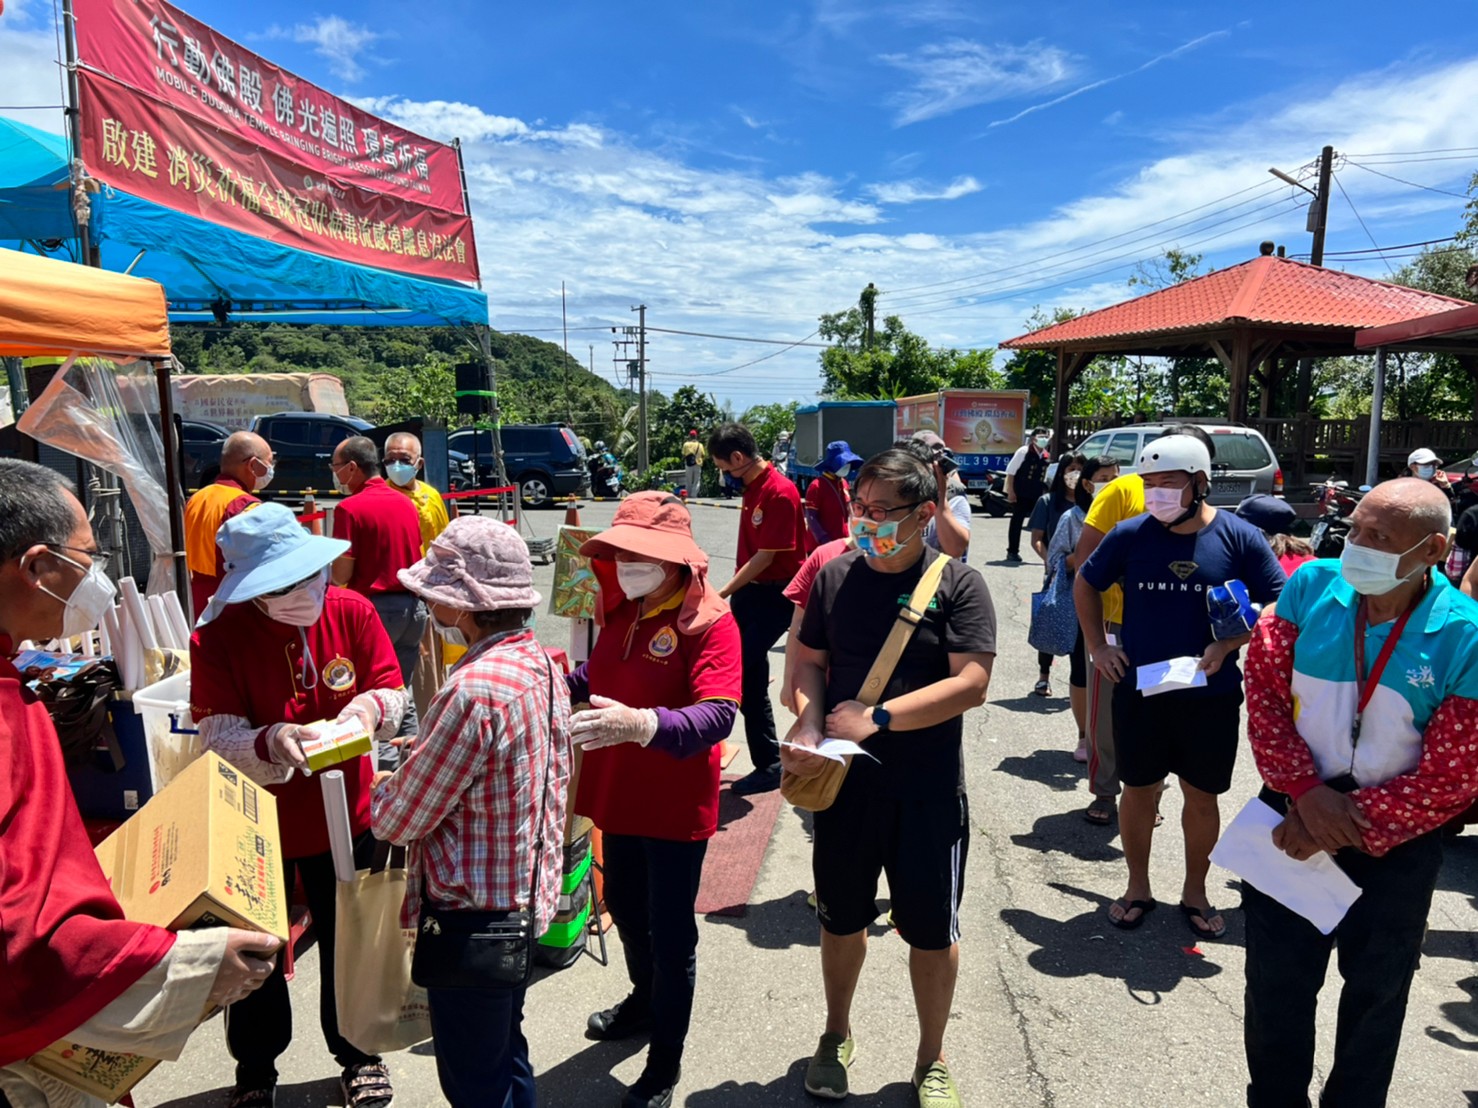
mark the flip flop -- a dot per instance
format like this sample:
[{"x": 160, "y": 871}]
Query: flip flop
[
  {"x": 1145, "y": 908},
  {"x": 1207, "y": 913},
  {"x": 1101, "y": 812}
]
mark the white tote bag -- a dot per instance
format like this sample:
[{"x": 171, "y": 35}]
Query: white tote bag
[{"x": 380, "y": 1009}]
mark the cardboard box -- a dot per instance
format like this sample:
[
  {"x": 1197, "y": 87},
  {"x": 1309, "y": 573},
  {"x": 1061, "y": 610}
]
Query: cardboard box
[
  {"x": 204, "y": 852},
  {"x": 336, "y": 742}
]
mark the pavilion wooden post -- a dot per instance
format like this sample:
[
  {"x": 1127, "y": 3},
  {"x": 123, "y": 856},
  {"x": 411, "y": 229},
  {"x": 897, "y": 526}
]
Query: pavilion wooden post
[{"x": 1070, "y": 366}]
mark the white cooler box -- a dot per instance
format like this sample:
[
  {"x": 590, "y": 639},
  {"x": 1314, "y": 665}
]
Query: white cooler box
[{"x": 169, "y": 734}]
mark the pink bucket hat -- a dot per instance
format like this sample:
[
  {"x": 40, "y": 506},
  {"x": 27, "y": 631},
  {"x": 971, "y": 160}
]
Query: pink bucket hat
[{"x": 477, "y": 565}]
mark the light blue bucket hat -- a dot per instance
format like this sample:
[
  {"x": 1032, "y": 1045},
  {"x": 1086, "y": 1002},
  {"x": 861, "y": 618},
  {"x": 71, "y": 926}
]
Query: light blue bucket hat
[{"x": 265, "y": 549}]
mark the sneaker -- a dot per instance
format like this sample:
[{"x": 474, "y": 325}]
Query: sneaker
[
  {"x": 622, "y": 1021},
  {"x": 757, "y": 781},
  {"x": 826, "y": 1076},
  {"x": 1081, "y": 754},
  {"x": 653, "y": 1089},
  {"x": 936, "y": 1087},
  {"x": 1013, "y": 559},
  {"x": 366, "y": 1085}
]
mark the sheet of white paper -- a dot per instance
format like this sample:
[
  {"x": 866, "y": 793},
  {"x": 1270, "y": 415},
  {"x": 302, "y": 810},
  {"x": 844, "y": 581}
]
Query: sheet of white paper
[
  {"x": 1316, "y": 889},
  {"x": 835, "y": 749},
  {"x": 1177, "y": 673}
]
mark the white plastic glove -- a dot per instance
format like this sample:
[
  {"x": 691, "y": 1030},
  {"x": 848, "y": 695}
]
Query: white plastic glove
[
  {"x": 365, "y": 710},
  {"x": 608, "y": 722},
  {"x": 284, "y": 745}
]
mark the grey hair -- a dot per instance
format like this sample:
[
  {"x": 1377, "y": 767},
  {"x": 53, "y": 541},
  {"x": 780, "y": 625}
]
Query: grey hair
[
  {"x": 363, "y": 453},
  {"x": 34, "y": 507},
  {"x": 911, "y": 475}
]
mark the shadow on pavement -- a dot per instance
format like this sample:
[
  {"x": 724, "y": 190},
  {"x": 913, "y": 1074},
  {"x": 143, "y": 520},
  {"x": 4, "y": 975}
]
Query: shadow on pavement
[
  {"x": 790, "y": 1089},
  {"x": 305, "y": 1094},
  {"x": 1053, "y": 768},
  {"x": 1069, "y": 833},
  {"x": 1462, "y": 1014},
  {"x": 586, "y": 1078},
  {"x": 788, "y": 921},
  {"x": 1151, "y": 961},
  {"x": 1034, "y": 705}
]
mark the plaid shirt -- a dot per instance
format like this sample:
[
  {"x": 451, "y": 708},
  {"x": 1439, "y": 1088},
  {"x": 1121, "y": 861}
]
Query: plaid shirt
[
  {"x": 467, "y": 796},
  {"x": 1458, "y": 561}
]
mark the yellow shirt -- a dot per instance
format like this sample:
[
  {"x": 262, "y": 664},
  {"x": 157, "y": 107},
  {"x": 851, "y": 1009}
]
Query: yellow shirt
[
  {"x": 693, "y": 453},
  {"x": 430, "y": 507},
  {"x": 1121, "y": 499}
]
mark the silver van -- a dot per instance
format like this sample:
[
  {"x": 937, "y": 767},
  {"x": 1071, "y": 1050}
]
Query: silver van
[{"x": 1244, "y": 462}]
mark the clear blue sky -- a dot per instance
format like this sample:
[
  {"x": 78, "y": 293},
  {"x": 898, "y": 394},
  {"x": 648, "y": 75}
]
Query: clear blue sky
[{"x": 742, "y": 168}]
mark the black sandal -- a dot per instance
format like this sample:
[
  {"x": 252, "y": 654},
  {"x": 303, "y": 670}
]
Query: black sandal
[
  {"x": 1101, "y": 812},
  {"x": 366, "y": 1086},
  {"x": 1206, "y": 914},
  {"x": 1125, "y": 924}
]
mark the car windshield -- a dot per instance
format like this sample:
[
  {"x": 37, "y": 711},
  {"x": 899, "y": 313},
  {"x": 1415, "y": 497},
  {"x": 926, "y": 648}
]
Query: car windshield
[{"x": 1240, "y": 450}]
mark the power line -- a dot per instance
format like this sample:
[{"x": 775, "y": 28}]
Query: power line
[
  {"x": 1413, "y": 184},
  {"x": 736, "y": 338},
  {"x": 1412, "y": 153},
  {"x": 1072, "y": 250},
  {"x": 1377, "y": 250},
  {"x": 756, "y": 361},
  {"x": 1361, "y": 218}
]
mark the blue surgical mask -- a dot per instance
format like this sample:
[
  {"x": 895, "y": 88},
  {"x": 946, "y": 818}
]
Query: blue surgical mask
[{"x": 401, "y": 473}]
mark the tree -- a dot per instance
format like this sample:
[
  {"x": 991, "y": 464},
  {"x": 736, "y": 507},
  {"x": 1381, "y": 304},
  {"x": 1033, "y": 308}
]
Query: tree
[
  {"x": 861, "y": 364},
  {"x": 1036, "y": 370},
  {"x": 688, "y": 410},
  {"x": 766, "y": 421}
]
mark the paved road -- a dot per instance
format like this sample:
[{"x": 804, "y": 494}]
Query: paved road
[{"x": 1054, "y": 1007}]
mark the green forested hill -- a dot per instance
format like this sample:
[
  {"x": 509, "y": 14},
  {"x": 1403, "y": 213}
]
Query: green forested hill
[{"x": 391, "y": 373}]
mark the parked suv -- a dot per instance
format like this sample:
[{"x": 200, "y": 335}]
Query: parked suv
[
  {"x": 200, "y": 452},
  {"x": 1244, "y": 462},
  {"x": 304, "y": 443},
  {"x": 545, "y": 460}
]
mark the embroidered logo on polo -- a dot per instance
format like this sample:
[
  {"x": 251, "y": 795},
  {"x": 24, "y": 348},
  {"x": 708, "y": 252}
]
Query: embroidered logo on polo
[
  {"x": 1421, "y": 677},
  {"x": 758, "y": 517},
  {"x": 339, "y": 674},
  {"x": 1183, "y": 570},
  {"x": 663, "y": 643}
]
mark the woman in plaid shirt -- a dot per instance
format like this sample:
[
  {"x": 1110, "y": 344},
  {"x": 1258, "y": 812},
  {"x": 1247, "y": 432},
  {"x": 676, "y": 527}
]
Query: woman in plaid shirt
[{"x": 469, "y": 793}]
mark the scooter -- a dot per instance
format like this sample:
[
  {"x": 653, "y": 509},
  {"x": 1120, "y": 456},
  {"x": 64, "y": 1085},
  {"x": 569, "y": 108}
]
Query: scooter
[
  {"x": 1336, "y": 502},
  {"x": 606, "y": 479},
  {"x": 993, "y": 496}
]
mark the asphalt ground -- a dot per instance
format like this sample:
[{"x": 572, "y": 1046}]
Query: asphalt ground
[{"x": 1054, "y": 1007}]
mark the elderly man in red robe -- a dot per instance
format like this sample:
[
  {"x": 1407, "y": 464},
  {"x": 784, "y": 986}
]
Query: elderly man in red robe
[{"x": 74, "y": 967}]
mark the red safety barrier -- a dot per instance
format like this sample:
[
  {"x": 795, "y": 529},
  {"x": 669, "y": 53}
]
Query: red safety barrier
[
  {"x": 309, "y": 517},
  {"x": 465, "y": 493}
]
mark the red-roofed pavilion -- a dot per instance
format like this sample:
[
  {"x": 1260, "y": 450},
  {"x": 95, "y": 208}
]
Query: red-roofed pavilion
[{"x": 1253, "y": 317}]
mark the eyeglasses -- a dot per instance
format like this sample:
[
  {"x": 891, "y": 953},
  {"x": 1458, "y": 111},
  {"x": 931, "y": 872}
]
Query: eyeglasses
[
  {"x": 291, "y": 588},
  {"x": 99, "y": 557},
  {"x": 879, "y": 515}
]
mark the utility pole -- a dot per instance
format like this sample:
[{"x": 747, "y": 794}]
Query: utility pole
[
  {"x": 644, "y": 462},
  {"x": 868, "y": 302},
  {"x": 1318, "y": 223}
]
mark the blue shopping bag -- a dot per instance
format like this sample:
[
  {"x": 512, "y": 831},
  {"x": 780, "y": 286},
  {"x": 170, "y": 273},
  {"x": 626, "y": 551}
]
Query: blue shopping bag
[{"x": 1054, "y": 626}]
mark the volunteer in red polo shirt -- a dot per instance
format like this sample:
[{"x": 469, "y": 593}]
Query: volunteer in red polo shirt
[
  {"x": 772, "y": 544},
  {"x": 246, "y": 467},
  {"x": 383, "y": 530},
  {"x": 663, "y": 683},
  {"x": 828, "y": 498},
  {"x": 276, "y": 651}
]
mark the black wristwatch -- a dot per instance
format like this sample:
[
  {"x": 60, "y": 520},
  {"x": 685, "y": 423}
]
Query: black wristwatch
[{"x": 881, "y": 717}]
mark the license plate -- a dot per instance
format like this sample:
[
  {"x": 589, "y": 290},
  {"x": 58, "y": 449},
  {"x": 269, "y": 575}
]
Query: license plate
[
  {"x": 977, "y": 483},
  {"x": 1231, "y": 488}
]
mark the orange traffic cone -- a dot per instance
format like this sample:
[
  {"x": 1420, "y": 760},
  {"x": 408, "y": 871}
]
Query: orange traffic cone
[{"x": 572, "y": 513}]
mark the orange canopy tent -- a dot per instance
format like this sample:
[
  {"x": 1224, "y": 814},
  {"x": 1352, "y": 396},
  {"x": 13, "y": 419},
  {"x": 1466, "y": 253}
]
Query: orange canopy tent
[{"x": 52, "y": 307}]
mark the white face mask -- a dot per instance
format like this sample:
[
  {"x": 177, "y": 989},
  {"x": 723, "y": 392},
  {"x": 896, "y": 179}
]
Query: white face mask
[
  {"x": 1164, "y": 504},
  {"x": 265, "y": 479},
  {"x": 1071, "y": 479},
  {"x": 89, "y": 600},
  {"x": 1373, "y": 572},
  {"x": 302, "y": 606},
  {"x": 639, "y": 579},
  {"x": 450, "y": 633}
]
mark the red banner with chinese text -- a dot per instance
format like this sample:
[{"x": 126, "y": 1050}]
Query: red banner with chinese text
[
  {"x": 158, "y": 49},
  {"x": 146, "y": 148}
]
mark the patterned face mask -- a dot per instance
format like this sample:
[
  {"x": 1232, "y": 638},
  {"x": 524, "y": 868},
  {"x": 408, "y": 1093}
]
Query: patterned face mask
[{"x": 878, "y": 540}]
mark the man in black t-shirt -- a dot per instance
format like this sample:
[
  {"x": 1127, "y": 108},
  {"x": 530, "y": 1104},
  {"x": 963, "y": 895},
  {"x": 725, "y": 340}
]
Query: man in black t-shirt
[
  {"x": 906, "y": 812},
  {"x": 1026, "y": 481}
]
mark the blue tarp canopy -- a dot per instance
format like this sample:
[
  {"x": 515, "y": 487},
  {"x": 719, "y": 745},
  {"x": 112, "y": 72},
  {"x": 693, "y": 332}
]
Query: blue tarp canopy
[{"x": 201, "y": 263}]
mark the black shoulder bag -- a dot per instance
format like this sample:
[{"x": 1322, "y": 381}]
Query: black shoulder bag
[{"x": 465, "y": 948}]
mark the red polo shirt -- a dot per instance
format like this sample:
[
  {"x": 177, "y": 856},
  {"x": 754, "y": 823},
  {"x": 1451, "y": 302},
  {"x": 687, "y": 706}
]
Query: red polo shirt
[
  {"x": 630, "y": 789},
  {"x": 826, "y": 504},
  {"x": 771, "y": 519},
  {"x": 384, "y": 533},
  {"x": 244, "y": 664}
]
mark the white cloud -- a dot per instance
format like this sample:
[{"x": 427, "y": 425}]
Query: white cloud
[
  {"x": 962, "y": 73},
  {"x": 341, "y": 43},
  {"x": 29, "y": 74},
  {"x": 913, "y": 192}
]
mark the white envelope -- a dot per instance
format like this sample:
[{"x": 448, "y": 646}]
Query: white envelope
[
  {"x": 1316, "y": 889},
  {"x": 834, "y": 749},
  {"x": 1177, "y": 673}
]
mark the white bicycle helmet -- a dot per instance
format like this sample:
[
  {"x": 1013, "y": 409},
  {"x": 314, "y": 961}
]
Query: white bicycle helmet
[{"x": 1175, "y": 454}]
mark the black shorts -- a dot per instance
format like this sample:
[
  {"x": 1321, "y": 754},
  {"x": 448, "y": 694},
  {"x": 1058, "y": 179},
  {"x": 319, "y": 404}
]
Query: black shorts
[
  {"x": 1191, "y": 735},
  {"x": 920, "y": 844},
  {"x": 1078, "y": 663}
]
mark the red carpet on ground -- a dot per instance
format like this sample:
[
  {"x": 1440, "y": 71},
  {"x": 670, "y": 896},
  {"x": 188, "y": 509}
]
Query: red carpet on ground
[{"x": 735, "y": 854}]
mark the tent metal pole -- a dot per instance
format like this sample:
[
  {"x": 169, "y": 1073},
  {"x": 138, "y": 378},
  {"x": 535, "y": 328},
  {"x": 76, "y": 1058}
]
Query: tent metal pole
[
  {"x": 462, "y": 174},
  {"x": 74, "y": 130},
  {"x": 173, "y": 492}
]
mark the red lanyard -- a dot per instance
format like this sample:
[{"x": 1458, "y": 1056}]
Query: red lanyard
[{"x": 1365, "y": 687}]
